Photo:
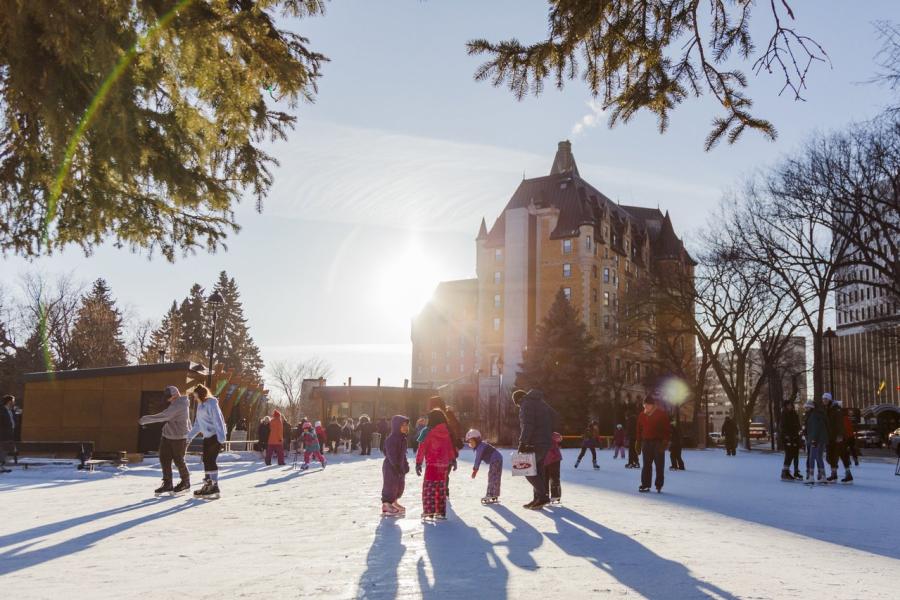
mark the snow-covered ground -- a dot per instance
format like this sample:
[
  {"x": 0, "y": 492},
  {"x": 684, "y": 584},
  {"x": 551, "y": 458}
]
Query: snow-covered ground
[{"x": 725, "y": 528}]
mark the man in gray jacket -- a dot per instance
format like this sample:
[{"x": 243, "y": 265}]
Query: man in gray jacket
[
  {"x": 536, "y": 421},
  {"x": 173, "y": 443}
]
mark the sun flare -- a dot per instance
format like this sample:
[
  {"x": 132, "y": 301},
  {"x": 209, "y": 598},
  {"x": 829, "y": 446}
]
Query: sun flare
[{"x": 405, "y": 282}]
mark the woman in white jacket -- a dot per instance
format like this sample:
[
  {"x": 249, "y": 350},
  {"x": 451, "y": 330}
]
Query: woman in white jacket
[{"x": 210, "y": 423}]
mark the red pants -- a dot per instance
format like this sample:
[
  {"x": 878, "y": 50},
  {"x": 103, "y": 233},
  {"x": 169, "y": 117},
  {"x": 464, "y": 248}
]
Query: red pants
[
  {"x": 434, "y": 497},
  {"x": 278, "y": 449},
  {"x": 316, "y": 455}
]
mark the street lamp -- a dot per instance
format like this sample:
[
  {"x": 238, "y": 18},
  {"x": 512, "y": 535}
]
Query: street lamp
[
  {"x": 499, "y": 392},
  {"x": 214, "y": 301},
  {"x": 830, "y": 335}
]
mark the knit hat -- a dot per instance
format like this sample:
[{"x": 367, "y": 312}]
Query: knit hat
[
  {"x": 826, "y": 396},
  {"x": 809, "y": 404},
  {"x": 473, "y": 433},
  {"x": 171, "y": 390},
  {"x": 436, "y": 417},
  {"x": 619, "y": 426}
]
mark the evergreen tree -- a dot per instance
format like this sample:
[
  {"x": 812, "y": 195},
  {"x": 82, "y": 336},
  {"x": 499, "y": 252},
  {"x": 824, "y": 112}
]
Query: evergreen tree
[
  {"x": 235, "y": 348},
  {"x": 97, "y": 333},
  {"x": 166, "y": 337},
  {"x": 562, "y": 362},
  {"x": 142, "y": 120},
  {"x": 196, "y": 323}
]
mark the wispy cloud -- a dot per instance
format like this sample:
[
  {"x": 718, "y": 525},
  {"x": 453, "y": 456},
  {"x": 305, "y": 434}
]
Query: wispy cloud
[{"x": 591, "y": 119}]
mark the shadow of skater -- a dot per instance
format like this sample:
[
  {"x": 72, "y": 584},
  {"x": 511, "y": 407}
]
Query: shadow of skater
[
  {"x": 292, "y": 474},
  {"x": 15, "y": 559},
  {"x": 380, "y": 579},
  {"x": 628, "y": 561},
  {"x": 522, "y": 538},
  {"x": 463, "y": 564}
]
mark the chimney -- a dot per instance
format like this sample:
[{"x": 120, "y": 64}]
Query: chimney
[
  {"x": 564, "y": 161},
  {"x": 379, "y": 382}
]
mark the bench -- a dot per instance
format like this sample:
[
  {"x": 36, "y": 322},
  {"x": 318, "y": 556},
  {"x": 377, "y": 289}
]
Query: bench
[
  {"x": 90, "y": 465},
  {"x": 81, "y": 451}
]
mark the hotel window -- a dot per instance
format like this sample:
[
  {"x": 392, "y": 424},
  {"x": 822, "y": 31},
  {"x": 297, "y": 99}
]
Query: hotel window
[
  {"x": 567, "y": 270},
  {"x": 496, "y": 300},
  {"x": 497, "y": 277},
  {"x": 567, "y": 292},
  {"x": 605, "y": 321},
  {"x": 605, "y": 274},
  {"x": 605, "y": 298},
  {"x": 567, "y": 246},
  {"x": 594, "y": 295},
  {"x": 419, "y": 370},
  {"x": 498, "y": 255},
  {"x": 587, "y": 243},
  {"x": 496, "y": 323}
]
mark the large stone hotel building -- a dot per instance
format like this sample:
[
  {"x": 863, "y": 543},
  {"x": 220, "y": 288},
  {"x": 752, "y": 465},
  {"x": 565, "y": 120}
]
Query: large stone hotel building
[{"x": 556, "y": 232}]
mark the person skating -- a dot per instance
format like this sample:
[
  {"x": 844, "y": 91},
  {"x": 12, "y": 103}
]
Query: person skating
[
  {"x": 394, "y": 468},
  {"x": 276, "y": 438},
  {"x": 438, "y": 454},
  {"x": 347, "y": 435},
  {"x": 173, "y": 443},
  {"x": 631, "y": 432},
  {"x": 365, "y": 430},
  {"x": 552, "y": 463},
  {"x": 322, "y": 435},
  {"x": 486, "y": 453},
  {"x": 816, "y": 423},
  {"x": 262, "y": 434},
  {"x": 333, "y": 434},
  {"x": 453, "y": 426},
  {"x": 383, "y": 430},
  {"x": 536, "y": 423},
  {"x": 210, "y": 423},
  {"x": 730, "y": 433},
  {"x": 790, "y": 440},
  {"x": 311, "y": 447},
  {"x": 653, "y": 436},
  {"x": 619, "y": 442},
  {"x": 837, "y": 445},
  {"x": 7, "y": 429},
  {"x": 589, "y": 442},
  {"x": 675, "y": 458},
  {"x": 850, "y": 438}
]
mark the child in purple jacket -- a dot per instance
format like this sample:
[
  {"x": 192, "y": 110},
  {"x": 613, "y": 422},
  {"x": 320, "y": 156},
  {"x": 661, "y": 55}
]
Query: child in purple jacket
[
  {"x": 484, "y": 452},
  {"x": 394, "y": 468}
]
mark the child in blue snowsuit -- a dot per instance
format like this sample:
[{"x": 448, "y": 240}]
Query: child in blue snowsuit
[
  {"x": 484, "y": 452},
  {"x": 394, "y": 468}
]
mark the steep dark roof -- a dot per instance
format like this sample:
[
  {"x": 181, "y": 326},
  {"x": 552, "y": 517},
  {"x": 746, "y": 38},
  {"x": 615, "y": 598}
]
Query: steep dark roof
[
  {"x": 564, "y": 161},
  {"x": 482, "y": 231}
]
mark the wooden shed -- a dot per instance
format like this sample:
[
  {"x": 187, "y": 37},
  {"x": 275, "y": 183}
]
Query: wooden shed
[{"x": 102, "y": 405}]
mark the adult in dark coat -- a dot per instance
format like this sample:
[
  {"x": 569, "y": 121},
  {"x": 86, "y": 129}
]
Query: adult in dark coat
[
  {"x": 383, "y": 430},
  {"x": 333, "y": 431},
  {"x": 837, "y": 442},
  {"x": 395, "y": 466},
  {"x": 288, "y": 433},
  {"x": 631, "y": 429},
  {"x": 790, "y": 440},
  {"x": 7, "y": 429},
  {"x": 675, "y": 448},
  {"x": 730, "y": 432},
  {"x": 536, "y": 423},
  {"x": 365, "y": 429},
  {"x": 262, "y": 434}
]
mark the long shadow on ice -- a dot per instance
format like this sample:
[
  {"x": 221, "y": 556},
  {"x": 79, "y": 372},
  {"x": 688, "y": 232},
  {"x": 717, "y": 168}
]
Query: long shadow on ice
[
  {"x": 627, "y": 560},
  {"x": 521, "y": 537},
  {"x": 462, "y": 563},
  {"x": 22, "y": 557},
  {"x": 380, "y": 579}
]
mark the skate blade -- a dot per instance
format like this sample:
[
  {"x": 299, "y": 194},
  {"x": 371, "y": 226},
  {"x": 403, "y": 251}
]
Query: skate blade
[{"x": 209, "y": 497}]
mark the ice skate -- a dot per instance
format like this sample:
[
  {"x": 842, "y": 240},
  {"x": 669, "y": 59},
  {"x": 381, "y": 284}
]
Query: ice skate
[
  {"x": 210, "y": 492},
  {"x": 399, "y": 507},
  {"x": 182, "y": 487},
  {"x": 833, "y": 477},
  {"x": 644, "y": 489},
  {"x": 786, "y": 475},
  {"x": 848, "y": 477},
  {"x": 203, "y": 488},
  {"x": 165, "y": 488},
  {"x": 389, "y": 510},
  {"x": 439, "y": 517},
  {"x": 820, "y": 476},
  {"x": 659, "y": 489},
  {"x": 577, "y": 462},
  {"x": 555, "y": 500},
  {"x": 797, "y": 474},
  {"x": 596, "y": 466},
  {"x": 490, "y": 500}
]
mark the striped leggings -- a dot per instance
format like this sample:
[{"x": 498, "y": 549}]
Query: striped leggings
[
  {"x": 434, "y": 497},
  {"x": 494, "y": 474}
]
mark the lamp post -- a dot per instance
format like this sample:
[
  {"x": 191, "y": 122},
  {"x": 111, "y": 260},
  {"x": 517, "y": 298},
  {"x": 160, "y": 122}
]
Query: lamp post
[
  {"x": 499, "y": 392},
  {"x": 830, "y": 335},
  {"x": 214, "y": 301}
]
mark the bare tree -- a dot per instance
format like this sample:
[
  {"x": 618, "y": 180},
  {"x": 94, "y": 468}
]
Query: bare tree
[
  {"x": 139, "y": 337},
  {"x": 287, "y": 381},
  {"x": 47, "y": 313}
]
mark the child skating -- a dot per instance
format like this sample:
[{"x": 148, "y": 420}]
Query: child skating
[
  {"x": 311, "y": 447},
  {"x": 552, "y": 463},
  {"x": 619, "y": 442},
  {"x": 439, "y": 455},
  {"x": 485, "y": 453},
  {"x": 394, "y": 468},
  {"x": 589, "y": 442}
]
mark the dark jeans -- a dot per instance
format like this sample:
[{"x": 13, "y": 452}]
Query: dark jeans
[
  {"x": 838, "y": 451},
  {"x": 173, "y": 451},
  {"x": 653, "y": 452},
  {"x": 538, "y": 482},
  {"x": 585, "y": 449},
  {"x": 730, "y": 447},
  {"x": 791, "y": 455},
  {"x": 210, "y": 454},
  {"x": 675, "y": 457},
  {"x": 365, "y": 444},
  {"x": 553, "y": 487},
  {"x": 632, "y": 452}
]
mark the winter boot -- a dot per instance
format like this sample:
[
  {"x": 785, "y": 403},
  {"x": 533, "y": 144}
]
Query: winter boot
[
  {"x": 786, "y": 475},
  {"x": 165, "y": 488},
  {"x": 183, "y": 486},
  {"x": 577, "y": 462},
  {"x": 596, "y": 466},
  {"x": 848, "y": 477},
  {"x": 833, "y": 476},
  {"x": 820, "y": 476},
  {"x": 206, "y": 483}
]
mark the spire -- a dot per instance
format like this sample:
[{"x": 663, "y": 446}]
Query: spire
[
  {"x": 668, "y": 244},
  {"x": 482, "y": 232},
  {"x": 564, "y": 162}
]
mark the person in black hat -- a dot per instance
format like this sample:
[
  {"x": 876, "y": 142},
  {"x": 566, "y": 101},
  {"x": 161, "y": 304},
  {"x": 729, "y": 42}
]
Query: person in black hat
[
  {"x": 790, "y": 440},
  {"x": 536, "y": 420}
]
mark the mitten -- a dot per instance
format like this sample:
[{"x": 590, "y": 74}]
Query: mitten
[
  {"x": 419, "y": 469},
  {"x": 453, "y": 465}
]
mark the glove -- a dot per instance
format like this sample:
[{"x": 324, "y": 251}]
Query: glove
[
  {"x": 474, "y": 473},
  {"x": 419, "y": 469},
  {"x": 453, "y": 465}
]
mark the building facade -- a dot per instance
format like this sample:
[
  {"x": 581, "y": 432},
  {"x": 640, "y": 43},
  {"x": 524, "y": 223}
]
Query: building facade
[
  {"x": 443, "y": 335},
  {"x": 557, "y": 232}
]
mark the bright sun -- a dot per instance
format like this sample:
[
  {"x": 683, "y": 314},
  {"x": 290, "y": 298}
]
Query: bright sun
[{"x": 405, "y": 282}]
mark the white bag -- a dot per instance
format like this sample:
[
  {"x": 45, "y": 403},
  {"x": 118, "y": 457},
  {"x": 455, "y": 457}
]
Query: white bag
[{"x": 523, "y": 464}]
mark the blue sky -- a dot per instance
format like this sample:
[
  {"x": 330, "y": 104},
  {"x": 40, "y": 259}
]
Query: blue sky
[{"x": 386, "y": 178}]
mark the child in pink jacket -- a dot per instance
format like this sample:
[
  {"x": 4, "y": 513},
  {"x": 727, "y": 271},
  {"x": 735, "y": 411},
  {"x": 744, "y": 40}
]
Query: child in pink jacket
[{"x": 551, "y": 469}]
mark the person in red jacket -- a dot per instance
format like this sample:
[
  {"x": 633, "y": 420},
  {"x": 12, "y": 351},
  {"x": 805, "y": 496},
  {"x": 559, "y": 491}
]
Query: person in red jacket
[
  {"x": 439, "y": 455},
  {"x": 653, "y": 437}
]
